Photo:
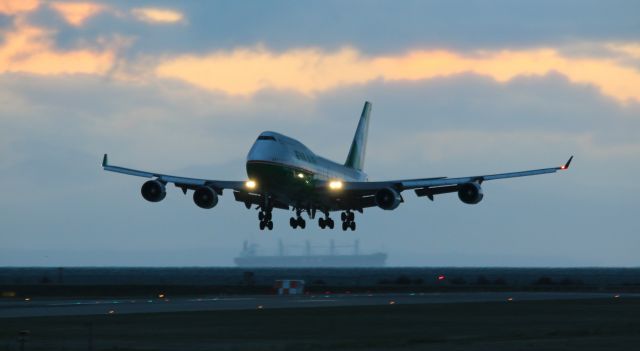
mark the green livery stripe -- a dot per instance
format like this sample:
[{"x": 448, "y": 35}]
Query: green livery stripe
[{"x": 355, "y": 159}]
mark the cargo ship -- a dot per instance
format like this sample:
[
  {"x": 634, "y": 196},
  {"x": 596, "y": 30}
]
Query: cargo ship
[{"x": 249, "y": 257}]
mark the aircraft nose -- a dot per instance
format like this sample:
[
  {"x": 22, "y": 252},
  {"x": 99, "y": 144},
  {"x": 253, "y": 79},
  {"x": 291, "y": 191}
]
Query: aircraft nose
[{"x": 264, "y": 150}]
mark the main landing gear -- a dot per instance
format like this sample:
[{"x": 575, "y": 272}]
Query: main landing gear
[
  {"x": 297, "y": 221},
  {"x": 265, "y": 219},
  {"x": 348, "y": 220},
  {"x": 326, "y": 221}
]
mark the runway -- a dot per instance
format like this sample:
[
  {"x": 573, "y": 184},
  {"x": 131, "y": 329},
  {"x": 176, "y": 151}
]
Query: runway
[{"x": 19, "y": 308}]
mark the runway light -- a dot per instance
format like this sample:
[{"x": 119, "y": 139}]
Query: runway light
[
  {"x": 335, "y": 185},
  {"x": 161, "y": 296},
  {"x": 250, "y": 184},
  {"x": 260, "y": 307},
  {"x": 510, "y": 299},
  {"x": 616, "y": 296},
  {"x": 441, "y": 277},
  {"x": 111, "y": 312},
  {"x": 392, "y": 302},
  {"x": 27, "y": 299}
]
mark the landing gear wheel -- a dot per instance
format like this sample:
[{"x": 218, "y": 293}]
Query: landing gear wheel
[
  {"x": 293, "y": 223},
  {"x": 262, "y": 225},
  {"x": 261, "y": 215},
  {"x": 322, "y": 223},
  {"x": 301, "y": 223},
  {"x": 267, "y": 216},
  {"x": 351, "y": 216},
  {"x": 352, "y": 226},
  {"x": 270, "y": 225},
  {"x": 343, "y": 216},
  {"x": 330, "y": 223},
  {"x": 344, "y": 226}
]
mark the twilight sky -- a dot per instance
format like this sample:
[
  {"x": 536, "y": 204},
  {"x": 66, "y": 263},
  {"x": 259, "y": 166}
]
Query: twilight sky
[{"x": 458, "y": 88}]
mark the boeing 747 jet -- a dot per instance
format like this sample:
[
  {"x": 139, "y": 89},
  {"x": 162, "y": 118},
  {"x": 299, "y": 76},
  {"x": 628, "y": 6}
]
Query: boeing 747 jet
[{"x": 285, "y": 174}]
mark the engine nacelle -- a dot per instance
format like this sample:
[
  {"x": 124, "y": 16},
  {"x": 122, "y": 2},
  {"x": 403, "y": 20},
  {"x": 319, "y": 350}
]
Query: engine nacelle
[
  {"x": 153, "y": 191},
  {"x": 205, "y": 197},
  {"x": 470, "y": 193},
  {"x": 388, "y": 199}
]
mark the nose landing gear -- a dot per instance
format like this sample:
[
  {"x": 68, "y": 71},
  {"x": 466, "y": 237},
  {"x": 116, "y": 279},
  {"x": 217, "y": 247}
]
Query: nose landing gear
[
  {"x": 297, "y": 221},
  {"x": 265, "y": 220}
]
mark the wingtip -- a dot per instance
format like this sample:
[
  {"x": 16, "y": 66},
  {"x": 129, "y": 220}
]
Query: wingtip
[
  {"x": 105, "y": 161},
  {"x": 566, "y": 165}
]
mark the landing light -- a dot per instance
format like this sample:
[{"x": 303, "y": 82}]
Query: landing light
[
  {"x": 335, "y": 185},
  {"x": 250, "y": 184},
  {"x": 300, "y": 175}
]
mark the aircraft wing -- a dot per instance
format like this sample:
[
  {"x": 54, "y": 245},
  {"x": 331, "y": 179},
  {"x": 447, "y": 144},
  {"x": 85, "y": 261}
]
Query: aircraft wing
[
  {"x": 181, "y": 182},
  {"x": 433, "y": 186}
]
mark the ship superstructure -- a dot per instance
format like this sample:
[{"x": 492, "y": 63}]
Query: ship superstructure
[{"x": 309, "y": 256}]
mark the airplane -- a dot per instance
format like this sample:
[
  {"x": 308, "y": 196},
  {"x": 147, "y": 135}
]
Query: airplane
[{"x": 285, "y": 174}]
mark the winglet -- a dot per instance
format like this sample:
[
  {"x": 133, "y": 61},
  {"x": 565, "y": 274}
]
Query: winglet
[
  {"x": 566, "y": 165},
  {"x": 105, "y": 161}
]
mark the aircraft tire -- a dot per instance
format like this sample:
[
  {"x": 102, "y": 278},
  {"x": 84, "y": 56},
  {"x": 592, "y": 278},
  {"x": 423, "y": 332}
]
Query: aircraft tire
[
  {"x": 330, "y": 224},
  {"x": 262, "y": 225},
  {"x": 352, "y": 226},
  {"x": 302, "y": 223},
  {"x": 261, "y": 215},
  {"x": 270, "y": 225},
  {"x": 344, "y": 226},
  {"x": 343, "y": 216},
  {"x": 352, "y": 216},
  {"x": 293, "y": 223},
  {"x": 322, "y": 223}
]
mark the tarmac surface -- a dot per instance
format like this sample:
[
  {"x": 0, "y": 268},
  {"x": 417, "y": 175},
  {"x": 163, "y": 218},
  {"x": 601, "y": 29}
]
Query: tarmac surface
[{"x": 39, "y": 307}]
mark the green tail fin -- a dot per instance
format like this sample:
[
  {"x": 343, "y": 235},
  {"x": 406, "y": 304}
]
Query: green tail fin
[{"x": 355, "y": 159}]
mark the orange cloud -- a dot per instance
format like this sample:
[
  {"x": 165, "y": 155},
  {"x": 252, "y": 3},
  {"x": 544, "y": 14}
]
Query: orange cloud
[
  {"x": 30, "y": 49},
  {"x": 630, "y": 49},
  {"x": 245, "y": 71},
  {"x": 76, "y": 13},
  {"x": 155, "y": 15},
  {"x": 12, "y": 7}
]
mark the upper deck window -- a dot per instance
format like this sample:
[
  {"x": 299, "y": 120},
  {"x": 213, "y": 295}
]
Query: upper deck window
[{"x": 266, "y": 137}]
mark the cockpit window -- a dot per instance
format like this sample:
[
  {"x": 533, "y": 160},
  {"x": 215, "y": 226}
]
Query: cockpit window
[{"x": 266, "y": 137}]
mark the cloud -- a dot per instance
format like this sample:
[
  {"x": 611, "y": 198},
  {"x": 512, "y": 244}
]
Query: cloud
[
  {"x": 76, "y": 13},
  {"x": 30, "y": 49},
  {"x": 630, "y": 49},
  {"x": 245, "y": 71},
  {"x": 157, "y": 15},
  {"x": 13, "y": 7}
]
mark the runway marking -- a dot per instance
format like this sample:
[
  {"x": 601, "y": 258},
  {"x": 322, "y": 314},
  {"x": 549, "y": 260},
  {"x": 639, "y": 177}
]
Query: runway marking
[{"x": 223, "y": 299}]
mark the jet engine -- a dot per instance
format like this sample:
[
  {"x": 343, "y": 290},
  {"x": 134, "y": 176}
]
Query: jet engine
[
  {"x": 153, "y": 191},
  {"x": 388, "y": 199},
  {"x": 205, "y": 197},
  {"x": 470, "y": 193}
]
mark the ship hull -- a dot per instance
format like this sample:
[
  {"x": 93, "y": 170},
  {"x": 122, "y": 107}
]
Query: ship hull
[{"x": 371, "y": 260}]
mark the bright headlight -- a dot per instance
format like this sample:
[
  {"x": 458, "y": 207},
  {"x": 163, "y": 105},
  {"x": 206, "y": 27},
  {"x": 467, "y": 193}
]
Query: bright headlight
[
  {"x": 335, "y": 185},
  {"x": 250, "y": 184}
]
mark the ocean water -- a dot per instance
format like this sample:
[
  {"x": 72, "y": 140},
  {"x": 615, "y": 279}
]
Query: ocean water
[{"x": 203, "y": 276}]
